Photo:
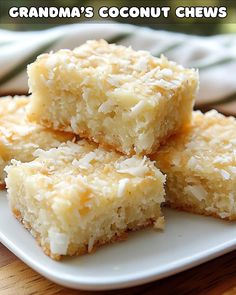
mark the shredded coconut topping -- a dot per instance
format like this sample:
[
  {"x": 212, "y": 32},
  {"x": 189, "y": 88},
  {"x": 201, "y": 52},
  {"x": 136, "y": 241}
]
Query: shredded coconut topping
[
  {"x": 197, "y": 191},
  {"x": 133, "y": 167},
  {"x": 58, "y": 242},
  {"x": 122, "y": 185}
]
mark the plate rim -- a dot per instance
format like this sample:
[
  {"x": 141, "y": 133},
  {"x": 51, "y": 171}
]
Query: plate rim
[{"x": 147, "y": 276}]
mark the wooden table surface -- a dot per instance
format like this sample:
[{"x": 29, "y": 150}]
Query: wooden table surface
[{"x": 212, "y": 278}]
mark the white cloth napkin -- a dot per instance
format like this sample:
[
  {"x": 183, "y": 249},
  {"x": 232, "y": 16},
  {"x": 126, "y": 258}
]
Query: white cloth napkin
[{"x": 214, "y": 56}]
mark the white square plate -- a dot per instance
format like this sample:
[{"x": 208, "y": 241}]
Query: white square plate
[{"x": 147, "y": 255}]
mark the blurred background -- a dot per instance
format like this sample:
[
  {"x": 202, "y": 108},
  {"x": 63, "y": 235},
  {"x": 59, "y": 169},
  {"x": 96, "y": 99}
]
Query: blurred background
[{"x": 206, "y": 44}]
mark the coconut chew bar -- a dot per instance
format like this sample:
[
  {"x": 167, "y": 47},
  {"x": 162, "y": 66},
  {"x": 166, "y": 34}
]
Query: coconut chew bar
[
  {"x": 79, "y": 196},
  {"x": 200, "y": 164},
  {"x": 124, "y": 99},
  {"x": 19, "y": 138}
]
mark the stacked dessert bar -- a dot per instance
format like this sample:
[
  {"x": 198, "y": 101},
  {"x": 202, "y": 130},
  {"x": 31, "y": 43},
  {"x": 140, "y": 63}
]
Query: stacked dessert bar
[{"x": 113, "y": 137}]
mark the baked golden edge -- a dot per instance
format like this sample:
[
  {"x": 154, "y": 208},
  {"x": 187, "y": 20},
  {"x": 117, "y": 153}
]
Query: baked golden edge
[{"x": 46, "y": 249}]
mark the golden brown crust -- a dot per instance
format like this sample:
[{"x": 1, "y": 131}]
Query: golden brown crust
[
  {"x": 99, "y": 140},
  {"x": 122, "y": 236},
  {"x": 73, "y": 250},
  {"x": 2, "y": 185},
  {"x": 16, "y": 213}
]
